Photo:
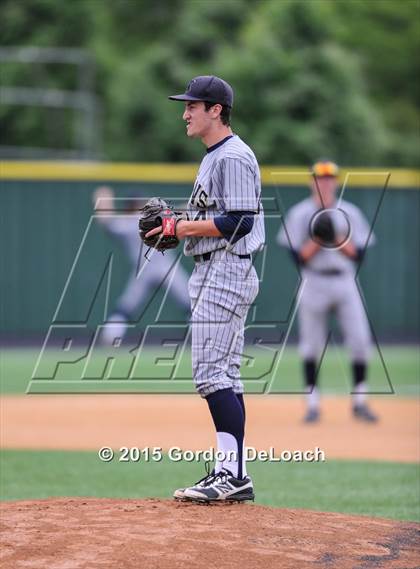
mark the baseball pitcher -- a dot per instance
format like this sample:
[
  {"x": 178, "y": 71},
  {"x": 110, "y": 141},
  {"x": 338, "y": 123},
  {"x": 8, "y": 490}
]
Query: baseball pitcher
[{"x": 224, "y": 226}]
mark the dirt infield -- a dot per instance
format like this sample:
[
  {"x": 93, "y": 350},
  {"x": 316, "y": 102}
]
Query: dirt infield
[
  {"x": 88, "y": 422},
  {"x": 84, "y": 533},
  {"x": 159, "y": 534}
]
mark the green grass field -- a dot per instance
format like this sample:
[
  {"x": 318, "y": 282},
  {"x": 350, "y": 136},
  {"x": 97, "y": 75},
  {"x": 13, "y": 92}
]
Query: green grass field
[
  {"x": 401, "y": 372},
  {"x": 355, "y": 487},
  {"x": 358, "y": 487}
]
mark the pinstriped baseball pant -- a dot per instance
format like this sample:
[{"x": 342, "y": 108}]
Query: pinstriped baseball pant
[
  {"x": 322, "y": 295},
  {"x": 221, "y": 293}
]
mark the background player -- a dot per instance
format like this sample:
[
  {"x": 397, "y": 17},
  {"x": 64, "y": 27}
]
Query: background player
[
  {"x": 145, "y": 275},
  {"x": 327, "y": 245},
  {"x": 226, "y": 226}
]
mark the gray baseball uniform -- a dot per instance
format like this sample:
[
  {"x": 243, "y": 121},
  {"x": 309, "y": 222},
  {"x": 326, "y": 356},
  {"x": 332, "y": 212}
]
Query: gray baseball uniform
[
  {"x": 145, "y": 275},
  {"x": 328, "y": 281},
  {"x": 223, "y": 288}
]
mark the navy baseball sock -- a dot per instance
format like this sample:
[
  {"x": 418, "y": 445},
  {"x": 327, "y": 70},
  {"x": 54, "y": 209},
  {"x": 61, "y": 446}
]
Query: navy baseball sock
[
  {"x": 310, "y": 372},
  {"x": 240, "y": 397},
  {"x": 312, "y": 395},
  {"x": 359, "y": 372},
  {"x": 228, "y": 418},
  {"x": 359, "y": 382}
]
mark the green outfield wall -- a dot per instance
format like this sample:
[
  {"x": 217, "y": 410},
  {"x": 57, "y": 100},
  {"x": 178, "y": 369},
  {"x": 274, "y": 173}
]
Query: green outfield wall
[{"x": 46, "y": 214}]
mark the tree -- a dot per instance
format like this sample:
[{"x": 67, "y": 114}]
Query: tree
[{"x": 311, "y": 78}]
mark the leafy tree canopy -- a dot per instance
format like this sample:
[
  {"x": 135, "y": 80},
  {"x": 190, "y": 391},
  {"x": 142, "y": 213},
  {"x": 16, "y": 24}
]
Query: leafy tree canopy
[{"x": 311, "y": 77}]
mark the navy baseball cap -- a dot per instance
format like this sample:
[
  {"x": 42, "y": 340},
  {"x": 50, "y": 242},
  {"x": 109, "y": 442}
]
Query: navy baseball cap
[{"x": 207, "y": 88}]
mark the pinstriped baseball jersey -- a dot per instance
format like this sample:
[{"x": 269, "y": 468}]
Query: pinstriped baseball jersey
[
  {"x": 298, "y": 222},
  {"x": 125, "y": 228},
  {"x": 145, "y": 274},
  {"x": 228, "y": 180}
]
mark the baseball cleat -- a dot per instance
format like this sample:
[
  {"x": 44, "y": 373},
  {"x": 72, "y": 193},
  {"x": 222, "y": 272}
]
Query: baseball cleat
[
  {"x": 179, "y": 494},
  {"x": 364, "y": 413},
  {"x": 221, "y": 487},
  {"x": 312, "y": 416}
]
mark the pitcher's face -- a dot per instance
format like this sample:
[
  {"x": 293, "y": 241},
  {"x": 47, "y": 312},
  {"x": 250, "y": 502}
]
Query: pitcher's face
[
  {"x": 324, "y": 189},
  {"x": 197, "y": 118}
]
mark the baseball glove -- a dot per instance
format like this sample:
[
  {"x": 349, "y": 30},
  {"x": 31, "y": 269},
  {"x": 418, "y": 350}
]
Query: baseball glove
[
  {"x": 157, "y": 213},
  {"x": 323, "y": 229}
]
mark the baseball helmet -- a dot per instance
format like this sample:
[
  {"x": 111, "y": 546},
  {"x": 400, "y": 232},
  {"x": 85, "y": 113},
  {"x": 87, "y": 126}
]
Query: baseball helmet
[{"x": 325, "y": 168}]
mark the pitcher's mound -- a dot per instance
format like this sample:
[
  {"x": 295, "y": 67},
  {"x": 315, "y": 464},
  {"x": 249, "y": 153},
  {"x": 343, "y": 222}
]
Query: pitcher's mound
[{"x": 126, "y": 534}]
